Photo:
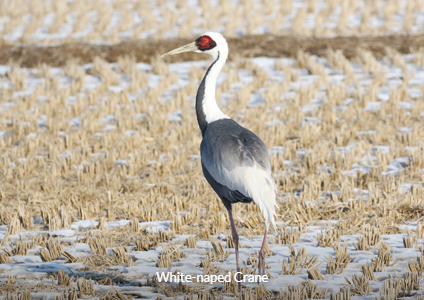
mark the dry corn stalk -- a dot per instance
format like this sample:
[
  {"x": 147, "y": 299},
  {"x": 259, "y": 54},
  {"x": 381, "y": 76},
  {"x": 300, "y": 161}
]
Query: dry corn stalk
[
  {"x": 4, "y": 258},
  {"x": 17, "y": 247},
  {"x": 367, "y": 271},
  {"x": 97, "y": 245},
  {"x": 25, "y": 218},
  {"x": 170, "y": 253},
  {"x": 417, "y": 265},
  {"x": 297, "y": 261},
  {"x": 288, "y": 235},
  {"x": 384, "y": 258},
  {"x": 86, "y": 287},
  {"x": 45, "y": 255},
  {"x": 208, "y": 267},
  {"x": 230, "y": 287},
  {"x": 328, "y": 238},
  {"x": 305, "y": 290},
  {"x": 218, "y": 248},
  {"x": 106, "y": 281},
  {"x": 135, "y": 225},
  {"x": 63, "y": 278},
  {"x": 410, "y": 240},
  {"x": 55, "y": 249},
  {"x": 14, "y": 226},
  {"x": 315, "y": 274},
  {"x": 70, "y": 294},
  {"x": 359, "y": 286},
  {"x": 397, "y": 286},
  {"x": 341, "y": 261},
  {"x": 344, "y": 294},
  {"x": 24, "y": 295},
  {"x": 336, "y": 266},
  {"x": 370, "y": 237},
  {"x": 191, "y": 242},
  {"x": 121, "y": 256},
  {"x": 146, "y": 243},
  {"x": 69, "y": 256}
]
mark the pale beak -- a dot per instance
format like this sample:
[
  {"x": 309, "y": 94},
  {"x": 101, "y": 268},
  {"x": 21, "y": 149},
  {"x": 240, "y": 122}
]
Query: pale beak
[{"x": 186, "y": 48}]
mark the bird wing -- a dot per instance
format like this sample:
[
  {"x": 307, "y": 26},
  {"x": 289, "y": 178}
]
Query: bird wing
[{"x": 240, "y": 161}]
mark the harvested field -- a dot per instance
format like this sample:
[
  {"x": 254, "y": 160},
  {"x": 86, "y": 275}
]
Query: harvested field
[
  {"x": 100, "y": 179},
  {"x": 146, "y": 50},
  {"x": 105, "y": 21}
]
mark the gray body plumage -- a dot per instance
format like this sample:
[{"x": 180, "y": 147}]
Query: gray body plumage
[{"x": 226, "y": 146}]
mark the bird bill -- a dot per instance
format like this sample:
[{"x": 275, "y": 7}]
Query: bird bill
[{"x": 186, "y": 48}]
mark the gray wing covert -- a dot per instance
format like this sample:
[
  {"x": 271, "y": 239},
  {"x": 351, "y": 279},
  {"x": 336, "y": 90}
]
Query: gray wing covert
[
  {"x": 224, "y": 151},
  {"x": 244, "y": 149},
  {"x": 237, "y": 165}
]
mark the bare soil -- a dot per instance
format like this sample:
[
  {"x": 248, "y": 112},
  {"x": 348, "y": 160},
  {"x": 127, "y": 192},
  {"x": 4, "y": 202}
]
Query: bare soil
[{"x": 246, "y": 46}]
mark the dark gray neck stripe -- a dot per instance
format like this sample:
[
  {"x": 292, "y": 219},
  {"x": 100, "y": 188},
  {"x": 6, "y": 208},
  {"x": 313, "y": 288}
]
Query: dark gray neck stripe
[{"x": 200, "y": 96}]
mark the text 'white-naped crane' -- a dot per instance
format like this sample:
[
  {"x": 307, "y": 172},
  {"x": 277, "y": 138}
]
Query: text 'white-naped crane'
[{"x": 235, "y": 161}]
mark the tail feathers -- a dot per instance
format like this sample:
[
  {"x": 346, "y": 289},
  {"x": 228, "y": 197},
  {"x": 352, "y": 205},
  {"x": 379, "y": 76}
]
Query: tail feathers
[{"x": 264, "y": 194}]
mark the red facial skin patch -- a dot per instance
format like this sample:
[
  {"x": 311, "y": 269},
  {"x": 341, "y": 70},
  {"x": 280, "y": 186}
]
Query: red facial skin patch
[{"x": 205, "y": 43}]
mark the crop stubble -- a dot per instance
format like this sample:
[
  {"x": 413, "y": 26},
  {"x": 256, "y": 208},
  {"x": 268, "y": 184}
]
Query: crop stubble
[
  {"x": 145, "y": 50},
  {"x": 76, "y": 172}
]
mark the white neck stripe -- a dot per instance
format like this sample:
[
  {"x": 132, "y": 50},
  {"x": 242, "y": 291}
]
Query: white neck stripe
[{"x": 210, "y": 107}]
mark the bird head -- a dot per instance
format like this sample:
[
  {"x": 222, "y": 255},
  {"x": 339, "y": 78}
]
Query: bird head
[{"x": 210, "y": 43}]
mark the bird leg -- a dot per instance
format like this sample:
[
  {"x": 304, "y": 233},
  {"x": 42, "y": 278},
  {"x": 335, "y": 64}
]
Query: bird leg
[
  {"x": 261, "y": 261},
  {"x": 236, "y": 246}
]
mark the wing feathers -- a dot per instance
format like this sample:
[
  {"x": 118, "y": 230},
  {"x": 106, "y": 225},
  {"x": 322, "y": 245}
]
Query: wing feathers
[
  {"x": 256, "y": 183},
  {"x": 237, "y": 159}
]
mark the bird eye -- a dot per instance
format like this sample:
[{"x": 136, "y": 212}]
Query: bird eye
[{"x": 205, "y": 43}]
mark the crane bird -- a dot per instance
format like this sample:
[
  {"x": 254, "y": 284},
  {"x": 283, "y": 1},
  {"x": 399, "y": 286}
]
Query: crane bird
[{"x": 235, "y": 161}]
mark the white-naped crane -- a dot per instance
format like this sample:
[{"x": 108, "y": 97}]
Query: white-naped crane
[{"x": 235, "y": 162}]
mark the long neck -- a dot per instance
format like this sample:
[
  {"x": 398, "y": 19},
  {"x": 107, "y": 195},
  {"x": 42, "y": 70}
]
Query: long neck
[{"x": 206, "y": 108}]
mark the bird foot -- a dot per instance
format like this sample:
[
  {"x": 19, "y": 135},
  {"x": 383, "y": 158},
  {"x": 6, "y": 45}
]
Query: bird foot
[{"x": 239, "y": 280}]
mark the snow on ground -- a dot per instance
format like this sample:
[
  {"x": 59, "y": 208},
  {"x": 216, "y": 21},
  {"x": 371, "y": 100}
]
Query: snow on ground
[
  {"x": 107, "y": 21},
  {"x": 30, "y": 267}
]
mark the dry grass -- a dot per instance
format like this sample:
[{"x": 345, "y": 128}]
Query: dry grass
[
  {"x": 370, "y": 237},
  {"x": 25, "y": 295},
  {"x": 360, "y": 286},
  {"x": 298, "y": 261},
  {"x": 81, "y": 163},
  {"x": 169, "y": 254},
  {"x": 344, "y": 294},
  {"x": 249, "y": 46},
  {"x": 125, "y": 19},
  {"x": 385, "y": 258},
  {"x": 397, "y": 286},
  {"x": 315, "y": 274},
  {"x": 342, "y": 258},
  {"x": 306, "y": 290},
  {"x": 63, "y": 278},
  {"x": 328, "y": 238},
  {"x": 417, "y": 265},
  {"x": 288, "y": 235}
]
